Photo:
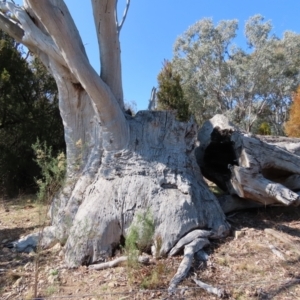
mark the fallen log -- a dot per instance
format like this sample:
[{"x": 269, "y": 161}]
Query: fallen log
[{"x": 247, "y": 166}]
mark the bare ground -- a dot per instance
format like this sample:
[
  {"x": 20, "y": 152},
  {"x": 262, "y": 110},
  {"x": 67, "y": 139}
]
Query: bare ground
[{"x": 243, "y": 264}]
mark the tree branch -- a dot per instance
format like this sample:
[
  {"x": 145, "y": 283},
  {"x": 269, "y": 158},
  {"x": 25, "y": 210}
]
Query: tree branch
[
  {"x": 29, "y": 35},
  {"x": 10, "y": 27},
  {"x": 109, "y": 45},
  {"x": 62, "y": 29},
  {"x": 119, "y": 25}
]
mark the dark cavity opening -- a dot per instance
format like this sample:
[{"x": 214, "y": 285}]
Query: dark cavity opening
[{"x": 218, "y": 156}]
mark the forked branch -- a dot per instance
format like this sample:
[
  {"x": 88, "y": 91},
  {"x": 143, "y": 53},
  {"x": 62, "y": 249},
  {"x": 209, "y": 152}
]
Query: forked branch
[
  {"x": 120, "y": 24},
  {"x": 56, "y": 18},
  {"x": 26, "y": 32}
]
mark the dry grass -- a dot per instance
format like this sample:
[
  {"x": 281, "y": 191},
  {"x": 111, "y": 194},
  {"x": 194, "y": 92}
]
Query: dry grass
[{"x": 245, "y": 266}]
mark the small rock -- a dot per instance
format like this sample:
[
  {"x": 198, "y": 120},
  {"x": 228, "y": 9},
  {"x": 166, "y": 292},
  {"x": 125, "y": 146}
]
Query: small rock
[
  {"x": 238, "y": 234},
  {"x": 52, "y": 278},
  {"x": 5, "y": 250},
  {"x": 4, "y": 241},
  {"x": 56, "y": 247},
  {"x": 112, "y": 284},
  {"x": 288, "y": 253}
]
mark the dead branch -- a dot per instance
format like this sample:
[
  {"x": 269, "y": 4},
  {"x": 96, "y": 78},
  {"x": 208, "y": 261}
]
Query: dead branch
[
  {"x": 210, "y": 289},
  {"x": 116, "y": 262}
]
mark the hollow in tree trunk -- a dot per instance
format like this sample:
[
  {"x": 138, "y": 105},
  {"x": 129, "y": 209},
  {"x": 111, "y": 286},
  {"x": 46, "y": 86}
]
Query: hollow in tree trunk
[{"x": 246, "y": 166}]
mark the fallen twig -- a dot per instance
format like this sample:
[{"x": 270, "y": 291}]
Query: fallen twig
[
  {"x": 276, "y": 252},
  {"x": 284, "y": 238},
  {"x": 210, "y": 289},
  {"x": 116, "y": 262}
]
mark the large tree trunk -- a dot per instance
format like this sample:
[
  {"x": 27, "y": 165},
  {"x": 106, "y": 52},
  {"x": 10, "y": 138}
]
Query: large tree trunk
[
  {"x": 117, "y": 165},
  {"x": 157, "y": 172},
  {"x": 247, "y": 166}
]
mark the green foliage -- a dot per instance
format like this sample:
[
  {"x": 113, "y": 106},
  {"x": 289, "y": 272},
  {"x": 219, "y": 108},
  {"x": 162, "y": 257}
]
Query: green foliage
[
  {"x": 170, "y": 94},
  {"x": 53, "y": 171},
  {"x": 264, "y": 129},
  {"x": 140, "y": 237},
  {"x": 246, "y": 85},
  {"x": 28, "y": 110},
  {"x": 292, "y": 127}
]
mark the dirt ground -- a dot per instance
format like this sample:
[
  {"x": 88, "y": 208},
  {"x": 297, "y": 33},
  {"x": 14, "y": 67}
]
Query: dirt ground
[{"x": 243, "y": 264}]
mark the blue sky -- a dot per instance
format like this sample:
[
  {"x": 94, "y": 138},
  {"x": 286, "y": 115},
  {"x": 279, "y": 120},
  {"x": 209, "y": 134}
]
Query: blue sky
[{"x": 151, "y": 28}]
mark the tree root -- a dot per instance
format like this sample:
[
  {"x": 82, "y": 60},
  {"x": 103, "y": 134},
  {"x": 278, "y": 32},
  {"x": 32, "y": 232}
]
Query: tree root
[
  {"x": 184, "y": 267},
  {"x": 191, "y": 236},
  {"x": 116, "y": 262}
]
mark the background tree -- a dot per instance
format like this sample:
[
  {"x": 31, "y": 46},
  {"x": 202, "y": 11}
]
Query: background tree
[
  {"x": 292, "y": 126},
  {"x": 219, "y": 77},
  {"x": 117, "y": 165},
  {"x": 28, "y": 111},
  {"x": 170, "y": 93}
]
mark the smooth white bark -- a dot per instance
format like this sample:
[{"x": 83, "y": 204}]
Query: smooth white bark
[
  {"x": 109, "y": 46},
  {"x": 117, "y": 165},
  {"x": 65, "y": 35}
]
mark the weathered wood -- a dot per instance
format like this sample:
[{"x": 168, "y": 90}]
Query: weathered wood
[
  {"x": 230, "y": 203},
  {"x": 188, "y": 239},
  {"x": 245, "y": 166},
  {"x": 287, "y": 143},
  {"x": 210, "y": 289},
  {"x": 117, "y": 165},
  {"x": 116, "y": 262},
  {"x": 185, "y": 265},
  {"x": 276, "y": 252}
]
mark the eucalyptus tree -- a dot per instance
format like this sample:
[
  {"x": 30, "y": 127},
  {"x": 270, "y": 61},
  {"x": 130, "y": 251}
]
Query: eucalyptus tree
[
  {"x": 117, "y": 164},
  {"x": 220, "y": 77}
]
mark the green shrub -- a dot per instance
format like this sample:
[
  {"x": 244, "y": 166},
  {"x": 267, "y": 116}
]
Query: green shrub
[{"x": 53, "y": 171}]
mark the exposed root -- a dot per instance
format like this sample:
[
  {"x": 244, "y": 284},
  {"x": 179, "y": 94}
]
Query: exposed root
[
  {"x": 116, "y": 262},
  {"x": 191, "y": 236},
  {"x": 184, "y": 267}
]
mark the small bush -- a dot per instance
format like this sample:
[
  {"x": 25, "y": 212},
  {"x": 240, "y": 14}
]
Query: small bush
[
  {"x": 53, "y": 171},
  {"x": 264, "y": 129},
  {"x": 140, "y": 237}
]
